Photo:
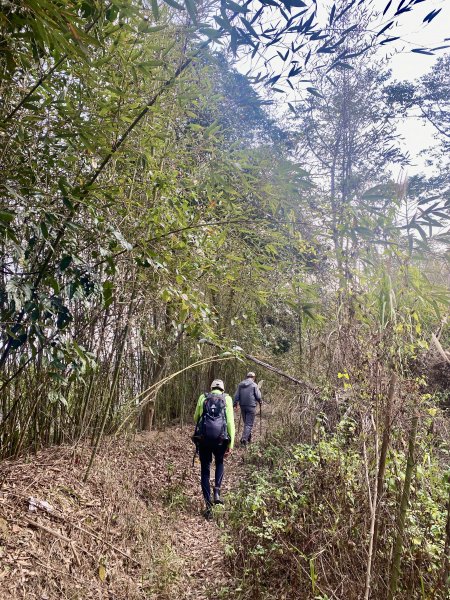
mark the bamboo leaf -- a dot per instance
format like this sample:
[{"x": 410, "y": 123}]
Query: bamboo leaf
[
  {"x": 235, "y": 7},
  {"x": 6, "y": 217},
  {"x": 192, "y": 9},
  {"x": 155, "y": 9},
  {"x": 314, "y": 92},
  {"x": 102, "y": 572},
  {"x": 174, "y": 4}
]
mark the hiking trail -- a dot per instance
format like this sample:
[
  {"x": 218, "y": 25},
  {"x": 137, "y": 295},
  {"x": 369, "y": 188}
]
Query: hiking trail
[{"x": 135, "y": 530}]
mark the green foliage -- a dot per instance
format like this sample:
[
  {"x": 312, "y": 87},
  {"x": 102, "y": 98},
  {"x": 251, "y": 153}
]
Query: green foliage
[
  {"x": 301, "y": 520},
  {"x": 110, "y": 259},
  {"x": 149, "y": 200}
]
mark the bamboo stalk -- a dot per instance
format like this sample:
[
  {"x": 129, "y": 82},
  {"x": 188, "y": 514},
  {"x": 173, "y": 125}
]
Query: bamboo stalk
[
  {"x": 267, "y": 366},
  {"x": 373, "y": 515},
  {"x": 383, "y": 453},
  {"x": 113, "y": 384},
  {"x": 401, "y": 519},
  {"x": 149, "y": 394}
]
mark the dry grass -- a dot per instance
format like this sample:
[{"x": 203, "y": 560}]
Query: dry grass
[{"x": 133, "y": 531}]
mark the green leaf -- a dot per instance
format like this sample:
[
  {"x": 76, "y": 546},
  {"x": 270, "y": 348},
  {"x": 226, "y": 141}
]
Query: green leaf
[
  {"x": 166, "y": 296},
  {"x": 155, "y": 9},
  {"x": 235, "y": 7},
  {"x": 107, "y": 293},
  {"x": 386, "y": 191},
  {"x": 65, "y": 262},
  {"x": 6, "y": 217},
  {"x": 52, "y": 282},
  {"x": 44, "y": 229},
  {"x": 146, "y": 28},
  {"x": 150, "y": 64},
  {"x": 249, "y": 27},
  {"x": 224, "y": 23},
  {"x": 68, "y": 204},
  {"x": 314, "y": 92},
  {"x": 212, "y": 33},
  {"x": 341, "y": 65},
  {"x": 418, "y": 228},
  {"x": 192, "y": 9}
]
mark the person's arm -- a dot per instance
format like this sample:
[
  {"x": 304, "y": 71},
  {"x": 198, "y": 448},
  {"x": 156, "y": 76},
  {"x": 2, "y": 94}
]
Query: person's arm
[
  {"x": 257, "y": 393},
  {"x": 230, "y": 419},
  {"x": 199, "y": 408}
]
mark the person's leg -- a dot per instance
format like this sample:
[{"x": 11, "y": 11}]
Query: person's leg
[
  {"x": 205, "y": 454},
  {"x": 219, "y": 452},
  {"x": 249, "y": 418},
  {"x": 242, "y": 416}
]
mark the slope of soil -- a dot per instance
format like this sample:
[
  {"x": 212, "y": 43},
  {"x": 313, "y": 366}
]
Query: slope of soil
[{"x": 135, "y": 530}]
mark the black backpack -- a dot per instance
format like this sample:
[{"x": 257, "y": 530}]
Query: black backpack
[{"x": 212, "y": 425}]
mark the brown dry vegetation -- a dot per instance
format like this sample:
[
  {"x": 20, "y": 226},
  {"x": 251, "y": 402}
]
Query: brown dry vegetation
[{"x": 133, "y": 531}]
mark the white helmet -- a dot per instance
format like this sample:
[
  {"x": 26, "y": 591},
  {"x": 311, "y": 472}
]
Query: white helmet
[{"x": 217, "y": 383}]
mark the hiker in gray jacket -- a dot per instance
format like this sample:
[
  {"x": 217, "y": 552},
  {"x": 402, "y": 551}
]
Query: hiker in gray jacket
[{"x": 248, "y": 396}]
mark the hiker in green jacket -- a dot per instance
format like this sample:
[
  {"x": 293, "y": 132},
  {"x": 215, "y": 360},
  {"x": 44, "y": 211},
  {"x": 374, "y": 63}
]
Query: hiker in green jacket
[{"x": 214, "y": 436}]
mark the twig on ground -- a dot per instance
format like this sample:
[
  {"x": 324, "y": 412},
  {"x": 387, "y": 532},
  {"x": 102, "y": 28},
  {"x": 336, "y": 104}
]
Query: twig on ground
[{"x": 58, "y": 535}]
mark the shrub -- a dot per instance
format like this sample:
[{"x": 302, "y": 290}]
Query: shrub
[{"x": 299, "y": 526}]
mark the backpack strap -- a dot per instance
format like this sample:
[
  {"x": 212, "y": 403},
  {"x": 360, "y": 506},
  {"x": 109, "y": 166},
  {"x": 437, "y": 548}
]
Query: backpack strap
[
  {"x": 206, "y": 394},
  {"x": 222, "y": 398}
]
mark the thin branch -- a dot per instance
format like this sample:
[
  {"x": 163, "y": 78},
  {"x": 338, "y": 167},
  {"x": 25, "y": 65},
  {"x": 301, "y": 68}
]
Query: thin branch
[
  {"x": 169, "y": 233},
  {"x": 267, "y": 366}
]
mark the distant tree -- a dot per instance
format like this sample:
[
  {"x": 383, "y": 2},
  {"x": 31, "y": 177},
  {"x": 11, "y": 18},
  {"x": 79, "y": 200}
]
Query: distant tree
[
  {"x": 347, "y": 136},
  {"x": 428, "y": 99}
]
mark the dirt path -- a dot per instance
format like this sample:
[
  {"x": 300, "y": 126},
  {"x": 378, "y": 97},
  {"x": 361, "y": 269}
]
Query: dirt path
[
  {"x": 196, "y": 542},
  {"x": 134, "y": 531}
]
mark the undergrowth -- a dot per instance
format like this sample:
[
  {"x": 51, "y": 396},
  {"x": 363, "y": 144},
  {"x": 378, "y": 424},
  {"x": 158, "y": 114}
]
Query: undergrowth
[{"x": 298, "y": 528}]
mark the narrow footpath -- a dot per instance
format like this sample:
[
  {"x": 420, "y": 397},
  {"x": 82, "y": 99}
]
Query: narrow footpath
[{"x": 134, "y": 531}]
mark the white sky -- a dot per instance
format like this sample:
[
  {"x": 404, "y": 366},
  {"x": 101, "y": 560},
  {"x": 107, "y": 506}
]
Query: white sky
[{"x": 406, "y": 65}]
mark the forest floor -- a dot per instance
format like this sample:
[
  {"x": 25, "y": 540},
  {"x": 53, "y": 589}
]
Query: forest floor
[{"x": 135, "y": 530}]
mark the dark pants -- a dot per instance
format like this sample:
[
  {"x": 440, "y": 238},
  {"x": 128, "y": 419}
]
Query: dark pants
[
  {"x": 248, "y": 417},
  {"x": 206, "y": 452}
]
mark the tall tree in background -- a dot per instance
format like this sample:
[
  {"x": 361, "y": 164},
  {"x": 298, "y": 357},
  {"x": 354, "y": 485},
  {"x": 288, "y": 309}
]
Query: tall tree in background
[{"x": 347, "y": 136}]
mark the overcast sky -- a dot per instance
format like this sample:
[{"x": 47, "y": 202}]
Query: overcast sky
[{"x": 405, "y": 65}]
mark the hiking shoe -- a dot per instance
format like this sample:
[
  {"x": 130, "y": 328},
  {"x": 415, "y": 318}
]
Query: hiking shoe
[
  {"x": 208, "y": 513},
  {"x": 217, "y": 499}
]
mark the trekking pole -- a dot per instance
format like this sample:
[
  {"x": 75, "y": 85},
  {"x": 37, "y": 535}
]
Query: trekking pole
[
  {"x": 260, "y": 409},
  {"x": 260, "y": 420}
]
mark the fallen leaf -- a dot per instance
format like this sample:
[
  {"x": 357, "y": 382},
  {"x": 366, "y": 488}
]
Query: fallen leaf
[{"x": 3, "y": 527}]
